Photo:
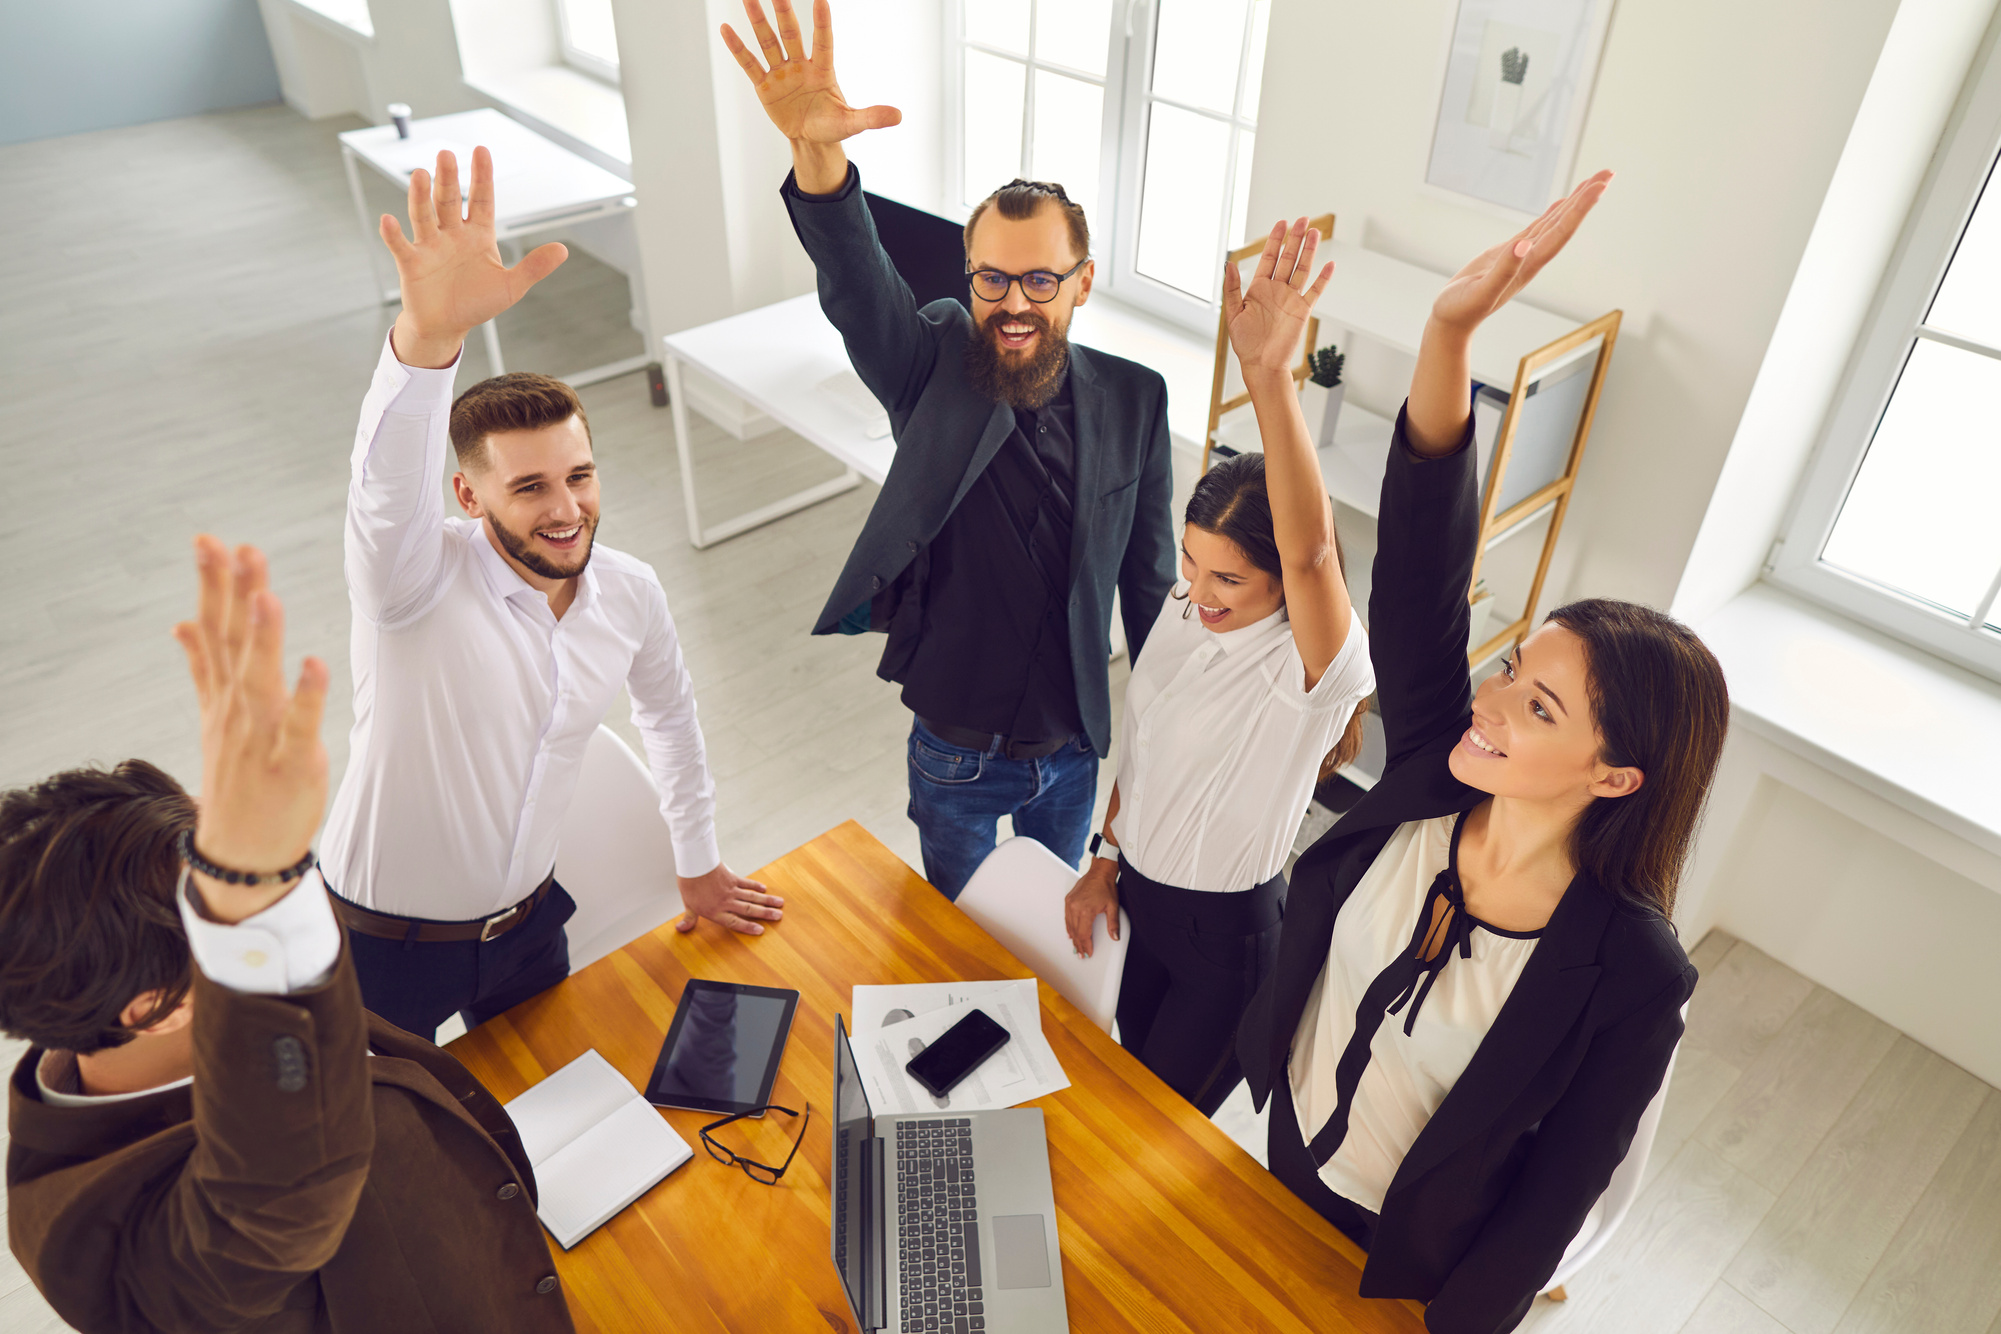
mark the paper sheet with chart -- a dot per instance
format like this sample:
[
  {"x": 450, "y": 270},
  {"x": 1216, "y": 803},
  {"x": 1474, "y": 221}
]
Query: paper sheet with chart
[{"x": 892, "y": 1024}]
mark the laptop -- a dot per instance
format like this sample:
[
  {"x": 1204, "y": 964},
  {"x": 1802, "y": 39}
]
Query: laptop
[{"x": 943, "y": 1224}]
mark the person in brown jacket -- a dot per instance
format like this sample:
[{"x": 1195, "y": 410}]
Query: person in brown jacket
[{"x": 210, "y": 1133}]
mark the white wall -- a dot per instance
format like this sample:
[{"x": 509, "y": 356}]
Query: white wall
[
  {"x": 68, "y": 68},
  {"x": 1866, "y": 899},
  {"x": 1724, "y": 121},
  {"x": 890, "y": 52},
  {"x": 413, "y": 58}
]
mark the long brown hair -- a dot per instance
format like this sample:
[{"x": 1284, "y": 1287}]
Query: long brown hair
[
  {"x": 87, "y": 914},
  {"x": 1661, "y": 706},
  {"x": 1230, "y": 501}
]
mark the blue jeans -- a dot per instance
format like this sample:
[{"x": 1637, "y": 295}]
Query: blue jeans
[{"x": 957, "y": 796}]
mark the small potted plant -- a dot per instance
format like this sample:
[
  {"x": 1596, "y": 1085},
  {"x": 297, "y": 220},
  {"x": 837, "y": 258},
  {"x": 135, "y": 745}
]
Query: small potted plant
[
  {"x": 1507, "y": 109},
  {"x": 1321, "y": 395}
]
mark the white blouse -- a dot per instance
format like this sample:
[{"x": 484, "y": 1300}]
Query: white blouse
[
  {"x": 1221, "y": 744},
  {"x": 1407, "y": 1076}
]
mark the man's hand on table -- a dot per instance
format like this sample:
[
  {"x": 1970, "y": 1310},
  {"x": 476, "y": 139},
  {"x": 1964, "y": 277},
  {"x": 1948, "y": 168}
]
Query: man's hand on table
[
  {"x": 449, "y": 267},
  {"x": 724, "y": 896}
]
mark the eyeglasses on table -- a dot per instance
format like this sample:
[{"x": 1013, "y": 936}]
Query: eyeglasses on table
[{"x": 762, "y": 1173}]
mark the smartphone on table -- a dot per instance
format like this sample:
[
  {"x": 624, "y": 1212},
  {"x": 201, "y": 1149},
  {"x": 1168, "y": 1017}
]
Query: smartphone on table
[{"x": 957, "y": 1053}]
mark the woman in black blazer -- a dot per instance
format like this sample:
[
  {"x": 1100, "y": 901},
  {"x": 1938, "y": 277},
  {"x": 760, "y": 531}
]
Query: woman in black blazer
[{"x": 1570, "y": 787}]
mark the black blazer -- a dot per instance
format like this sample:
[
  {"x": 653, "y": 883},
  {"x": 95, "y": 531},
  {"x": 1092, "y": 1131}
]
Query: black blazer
[
  {"x": 913, "y": 361},
  {"x": 1499, "y": 1181}
]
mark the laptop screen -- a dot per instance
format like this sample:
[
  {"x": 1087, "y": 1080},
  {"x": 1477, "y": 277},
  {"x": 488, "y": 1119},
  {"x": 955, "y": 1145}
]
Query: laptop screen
[{"x": 852, "y": 1127}]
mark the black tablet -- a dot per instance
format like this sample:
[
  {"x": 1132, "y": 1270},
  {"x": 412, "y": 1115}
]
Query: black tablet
[{"x": 721, "y": 1053}]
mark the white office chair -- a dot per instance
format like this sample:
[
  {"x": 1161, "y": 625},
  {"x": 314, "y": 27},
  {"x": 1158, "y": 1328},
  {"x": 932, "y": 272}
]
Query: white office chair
[
  {"x": 1017, "y": 896},
  {"x": 614, "y": 855},
  {"x": 1620, "y": 1192}
]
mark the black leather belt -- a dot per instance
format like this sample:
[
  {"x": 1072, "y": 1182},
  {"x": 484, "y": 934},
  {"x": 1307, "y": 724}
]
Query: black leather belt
[
  {"x": 423, "y": 930},
  {"x": 984, "y": 741}
]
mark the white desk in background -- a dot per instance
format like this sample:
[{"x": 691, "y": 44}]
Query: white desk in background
[
  {"x": 786, "y": 361},
  {"x": 538, "y": 186}
]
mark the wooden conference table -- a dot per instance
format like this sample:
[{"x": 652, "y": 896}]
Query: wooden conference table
[{"x": 1167, "y": 1225}]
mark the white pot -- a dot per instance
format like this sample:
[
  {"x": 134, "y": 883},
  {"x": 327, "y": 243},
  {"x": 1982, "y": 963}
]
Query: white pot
[{"x": 1323, "y": 410}]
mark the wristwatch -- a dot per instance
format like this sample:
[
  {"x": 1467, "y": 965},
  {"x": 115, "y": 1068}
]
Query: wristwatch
[{"x": 1098, "y": 841}]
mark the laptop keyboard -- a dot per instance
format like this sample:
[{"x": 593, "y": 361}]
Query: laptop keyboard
[{"x": 938, "y": 1249}]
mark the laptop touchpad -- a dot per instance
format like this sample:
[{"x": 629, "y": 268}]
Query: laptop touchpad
[{"x": 1021, "y": 1255}]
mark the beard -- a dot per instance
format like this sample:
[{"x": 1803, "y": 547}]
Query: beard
[
  {"x": 517, "y": 546},
  {"x": 1018, "y": 381}
]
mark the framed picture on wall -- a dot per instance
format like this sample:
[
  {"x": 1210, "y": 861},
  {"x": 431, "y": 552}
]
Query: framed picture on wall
[{"x": 1511, "y": 104}]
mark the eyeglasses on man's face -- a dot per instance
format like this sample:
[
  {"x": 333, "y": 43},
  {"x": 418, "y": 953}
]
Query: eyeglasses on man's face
[
  {"x": 762, "y": 1173},
  {"x": 1039, "y": 286}
]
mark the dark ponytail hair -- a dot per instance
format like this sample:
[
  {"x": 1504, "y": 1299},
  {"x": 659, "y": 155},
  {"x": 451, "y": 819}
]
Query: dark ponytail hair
[
  {"x": 1230, "y": 500},
  {"x": 1661, "y": 706}
]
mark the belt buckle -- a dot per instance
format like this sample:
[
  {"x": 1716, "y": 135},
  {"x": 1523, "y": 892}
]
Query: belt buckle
[{"x": 486, "y": 931}]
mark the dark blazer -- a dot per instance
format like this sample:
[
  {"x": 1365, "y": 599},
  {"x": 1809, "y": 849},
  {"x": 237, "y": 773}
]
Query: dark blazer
[
  {"x": 913, "y": 361},
  {"x": 299, "y": 1184},
  {"x": 1500, "y": 1180}
]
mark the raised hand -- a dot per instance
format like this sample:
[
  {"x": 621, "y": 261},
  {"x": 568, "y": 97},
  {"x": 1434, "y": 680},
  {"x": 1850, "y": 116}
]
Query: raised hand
[
  {"x": 798, "y": 90},
  {"x": 1266, "y": 319},
  {"x": 1438, "y": 408},
  {"x": 799, "y": 93},
  {"x": 264, "y": 766},
  {"x": 449, "y": 266},
  {"x": 1495, "y": 275}
]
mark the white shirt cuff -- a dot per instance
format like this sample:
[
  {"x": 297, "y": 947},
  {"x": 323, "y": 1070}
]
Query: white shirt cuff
[
  {"x": 290, "y": 946},
  {"x": 697, "y": 856}
]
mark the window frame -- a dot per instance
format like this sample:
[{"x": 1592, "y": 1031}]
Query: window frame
[
  {"x": 581, "y": 61},
  {"x": 1968, "y": 155},
  {"x": 1125, "y": 280},
  {"x": 1121, "y": 168}
]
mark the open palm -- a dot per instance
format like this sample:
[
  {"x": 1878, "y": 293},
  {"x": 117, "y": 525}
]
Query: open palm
[
  {"x": 798, "y": 90},
  {"x": 1493, "y": 277},
  {"x": 450, "y": 266},
  {"x": 1266, "y": 319}
]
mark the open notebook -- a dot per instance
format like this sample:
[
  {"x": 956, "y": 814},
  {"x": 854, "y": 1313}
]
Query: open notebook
[{"x": 595, "y": 1144}]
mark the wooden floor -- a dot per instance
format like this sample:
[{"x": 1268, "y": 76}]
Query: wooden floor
[{"x": 186, "y": 334}]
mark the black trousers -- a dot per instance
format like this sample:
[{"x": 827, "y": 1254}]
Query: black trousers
[
  {"x": 1193, "y": 962},
  {"x": 1290, "y": 1161},
  {"x": 418, "y": 985}
]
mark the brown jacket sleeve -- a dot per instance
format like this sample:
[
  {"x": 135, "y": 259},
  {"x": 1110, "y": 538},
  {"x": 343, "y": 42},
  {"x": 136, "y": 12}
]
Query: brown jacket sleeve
[{"x": 285, "y": 1127}]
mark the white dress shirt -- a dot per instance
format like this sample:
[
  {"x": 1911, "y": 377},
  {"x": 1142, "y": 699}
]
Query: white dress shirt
[
  {"x": 1407, "y": 1076},
  {"x": 290, "y": 946},
  {"x": 473, "y": 703},
  {"x": 1221, "y": 745}
]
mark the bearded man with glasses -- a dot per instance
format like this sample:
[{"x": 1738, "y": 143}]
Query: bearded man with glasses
[{"x": 1032, "y": 479}]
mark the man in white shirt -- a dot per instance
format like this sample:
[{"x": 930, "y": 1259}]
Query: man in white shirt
[
  {"x": 209, "y": 1133},
  {"x": 487, "y": 650}
]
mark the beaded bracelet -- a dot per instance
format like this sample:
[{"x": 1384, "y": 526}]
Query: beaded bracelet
[{"x": 186, "y": 846}]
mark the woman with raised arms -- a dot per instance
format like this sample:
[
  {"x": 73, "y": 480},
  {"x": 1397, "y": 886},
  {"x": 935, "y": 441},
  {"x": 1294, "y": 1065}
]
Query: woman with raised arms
[
  {"x": 1254, "y": 669},
  {"x": 1479, "y": 987}
]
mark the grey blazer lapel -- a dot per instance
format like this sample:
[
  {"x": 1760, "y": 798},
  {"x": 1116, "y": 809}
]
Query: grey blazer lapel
[
  {"x": 1089, "y": 467},
  {"x": 999, "y": 423}
]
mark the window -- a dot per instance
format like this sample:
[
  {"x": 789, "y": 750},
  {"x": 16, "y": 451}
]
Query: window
[
  {"x": 1896, "y": 522},
  {"x": 1144, "y": 110},
  {"x": 1032, "y": 96},
  {"x": 1187, "y": 153},
  {"x": 590, "y": 40}
]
